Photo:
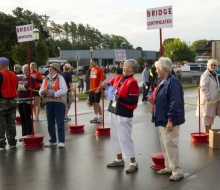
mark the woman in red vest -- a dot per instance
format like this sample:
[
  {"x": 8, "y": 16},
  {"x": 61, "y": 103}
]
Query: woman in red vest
[
  {"x": 24, "y": 101},
  {"x": 122, "y": 108}
]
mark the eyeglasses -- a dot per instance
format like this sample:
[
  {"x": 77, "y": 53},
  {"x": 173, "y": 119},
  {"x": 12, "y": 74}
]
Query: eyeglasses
[
  {"x": 125, "y": 67},
  {"x": 213, "y": 65},
  {"x": 51, "y": 69}
]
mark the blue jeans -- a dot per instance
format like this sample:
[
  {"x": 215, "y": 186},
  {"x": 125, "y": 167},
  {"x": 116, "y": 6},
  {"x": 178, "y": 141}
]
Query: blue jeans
[{"x": 56, "y": 111}]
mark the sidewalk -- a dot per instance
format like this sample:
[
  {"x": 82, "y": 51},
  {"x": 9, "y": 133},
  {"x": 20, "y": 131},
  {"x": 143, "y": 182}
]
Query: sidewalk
[{"x": 81, "y": 165}]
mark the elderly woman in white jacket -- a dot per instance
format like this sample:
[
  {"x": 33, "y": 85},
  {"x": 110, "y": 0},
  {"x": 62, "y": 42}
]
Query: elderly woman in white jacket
[{"x": 209, "y": 94}]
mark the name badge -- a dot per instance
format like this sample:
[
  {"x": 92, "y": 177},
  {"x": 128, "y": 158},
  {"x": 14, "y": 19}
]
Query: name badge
[{"x": 114, "y": 104}]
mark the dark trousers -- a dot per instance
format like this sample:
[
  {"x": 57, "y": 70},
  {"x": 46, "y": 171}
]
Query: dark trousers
[
  {"x": 87, "y": 85},
  {"x": 153, "y": 82},
  {"x": 25, "y": 114},
  {"x": 145, "y": 91}
]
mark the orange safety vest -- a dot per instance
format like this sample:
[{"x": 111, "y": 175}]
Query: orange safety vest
[
  {"x": 53, "y": 85},
  {"x": 36, "y": 75},
  {"x": 9, "y": 84},
  {"x": 123, "y": 90}
]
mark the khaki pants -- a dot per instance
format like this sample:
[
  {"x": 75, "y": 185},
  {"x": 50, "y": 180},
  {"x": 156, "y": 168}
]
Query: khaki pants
[{"x": 169, "y": 145}]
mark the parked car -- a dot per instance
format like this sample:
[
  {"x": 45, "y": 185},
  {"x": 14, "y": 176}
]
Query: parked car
[
  {"x": 43, "y": 69},
  {"x": 197, "y": 67},
  {"x": 190, "y": 73},
  {"x": 17, "y": 69},
  {"x": 20, "y": 76}
]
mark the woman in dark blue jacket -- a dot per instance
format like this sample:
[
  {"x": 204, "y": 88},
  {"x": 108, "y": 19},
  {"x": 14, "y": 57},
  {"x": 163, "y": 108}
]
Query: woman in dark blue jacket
[{"x": 168, "y": 115}]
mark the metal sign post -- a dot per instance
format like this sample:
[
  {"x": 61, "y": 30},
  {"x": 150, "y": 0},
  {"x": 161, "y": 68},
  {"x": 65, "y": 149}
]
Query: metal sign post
[{"x": 25, "y": 34}]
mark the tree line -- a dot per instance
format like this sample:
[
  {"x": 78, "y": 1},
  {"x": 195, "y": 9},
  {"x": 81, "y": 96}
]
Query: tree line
[
  {"x": 72, "y": 36},
  {"x": 67, "y": 36}
]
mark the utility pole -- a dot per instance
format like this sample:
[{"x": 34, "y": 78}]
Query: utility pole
[{"x": 45, "y": 21}]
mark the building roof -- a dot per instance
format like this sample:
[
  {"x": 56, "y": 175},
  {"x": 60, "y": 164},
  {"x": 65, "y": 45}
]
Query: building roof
[
  {"x": 205, "y": 46},
  {"x": 106, "y": 54}
]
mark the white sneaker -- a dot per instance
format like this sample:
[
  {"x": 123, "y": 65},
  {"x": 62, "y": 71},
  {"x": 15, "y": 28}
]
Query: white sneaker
[
  {"x": 50, "y": 144},
  {"x": 36, "y": 119},
  {"x": 2, "y": 148},
  {"x": 14, "y": 146},
  {"x": 99, "y": 120},
  {"x": 61, "y": 145}
]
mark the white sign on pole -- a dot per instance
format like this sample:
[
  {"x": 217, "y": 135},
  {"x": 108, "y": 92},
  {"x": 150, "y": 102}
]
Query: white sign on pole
[
  {"x": 160, "y": 17},
  {"x": 77, "y": 58},
  {"x": 25, "y": 33},
  {"x": 120, "y": 55}
]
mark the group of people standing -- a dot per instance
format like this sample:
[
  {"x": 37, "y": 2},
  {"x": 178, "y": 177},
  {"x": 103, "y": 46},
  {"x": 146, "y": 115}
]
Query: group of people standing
[
  {"x": 24, "y": 93},
  {"x": 110, "y": 68},
  {"x": 167, "y": 114},
  {"x": 167, "y": 106}
]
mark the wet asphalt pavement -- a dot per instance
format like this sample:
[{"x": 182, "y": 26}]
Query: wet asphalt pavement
[{"x": 81, "y": 165}]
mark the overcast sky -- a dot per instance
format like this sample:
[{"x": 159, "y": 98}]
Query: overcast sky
[{"x": 192, "y": 19}]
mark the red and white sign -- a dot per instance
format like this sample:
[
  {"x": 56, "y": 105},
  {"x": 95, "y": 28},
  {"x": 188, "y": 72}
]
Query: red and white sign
[
  {"x": 120, "y": 55},
  {"x": 160, "y": 17},
  {"x": 25, "y": 33}
]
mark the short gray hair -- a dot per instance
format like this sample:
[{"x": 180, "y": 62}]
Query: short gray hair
[
  {"x": 134, "y": 64},
  {"x": 164, "y": 63},
  {"x": 26, "y": 65},
  {"x": 210, "y": 61}
]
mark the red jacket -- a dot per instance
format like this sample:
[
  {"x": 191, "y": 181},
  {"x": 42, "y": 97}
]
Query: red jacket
[{"x": 123, "y": 89}]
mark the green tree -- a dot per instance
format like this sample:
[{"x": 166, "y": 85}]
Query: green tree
[
  {"x": 8, "y": 36},
  {"x": 115, "y": 42},
  {"x": 52, "y": 48},
  {"x": 66, "y": 36},
  {"x": 27, "y": 17},
  {"x": 64, "y": 44},
  {"x": 141, "y": 61},
  {"x": 56, "y": 30},
  {"x": 19, "y": 53},
  {"x": 196, "y": 43},
  {"x": 66, "y": 30},
  {"x": 177, "y": 50},
  {"x": 121, "y": 43},
  {"x": 168, "y": 40},
  {"x": 73, "y": 32},
  {"x": 19, "y": 50}
]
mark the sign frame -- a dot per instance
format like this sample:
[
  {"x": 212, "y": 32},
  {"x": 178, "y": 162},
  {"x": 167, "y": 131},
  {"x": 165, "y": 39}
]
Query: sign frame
[
  {"x": 25, "y": 33},
  {"x": 159, "y": 17},
  {"x": 120, "y": 55}
]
